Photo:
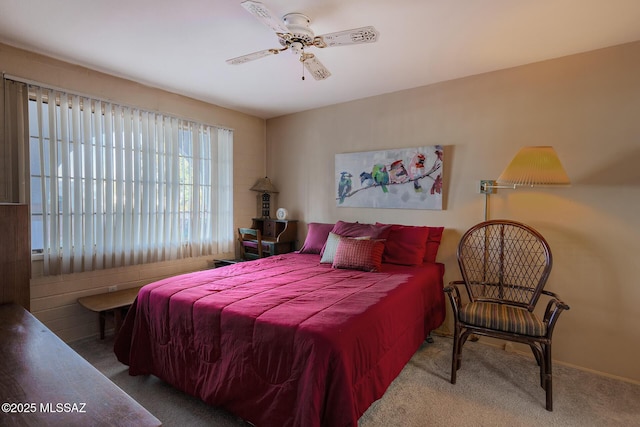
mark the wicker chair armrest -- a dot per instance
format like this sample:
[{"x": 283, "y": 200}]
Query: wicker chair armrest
[
  {"x": 555, "y": 299},
  {"x": 453, "y": 292},
  {"x": 453, "y": 285},
  {"x": 555, "y": 306}
]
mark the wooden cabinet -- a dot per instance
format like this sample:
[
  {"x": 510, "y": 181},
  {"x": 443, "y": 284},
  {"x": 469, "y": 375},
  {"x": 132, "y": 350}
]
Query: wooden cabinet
[
  {"x": 15, "y": 254},
  {"x": 279, "y": 234},
  {"x": 54, "y": 385}
]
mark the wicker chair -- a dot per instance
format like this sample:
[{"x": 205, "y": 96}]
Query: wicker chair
[{"x": 504, "y": 266}]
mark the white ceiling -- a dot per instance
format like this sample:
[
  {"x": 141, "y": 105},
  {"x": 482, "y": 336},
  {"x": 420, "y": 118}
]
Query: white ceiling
[{"x": 182, "y": 45}]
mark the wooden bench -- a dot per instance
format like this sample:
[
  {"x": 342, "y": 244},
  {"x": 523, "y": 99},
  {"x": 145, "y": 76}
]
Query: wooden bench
[
  {"x": 115, "y": 302},
  {"x": 43, "y": 382}
]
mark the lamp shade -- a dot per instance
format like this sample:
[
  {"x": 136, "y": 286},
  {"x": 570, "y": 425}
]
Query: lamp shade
[
  {"x": 264, "y": 185},
  {"x": 534, "y": 166}
]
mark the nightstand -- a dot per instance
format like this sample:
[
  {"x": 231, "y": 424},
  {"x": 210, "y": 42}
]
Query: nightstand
[{"x": 279, "y": 234}]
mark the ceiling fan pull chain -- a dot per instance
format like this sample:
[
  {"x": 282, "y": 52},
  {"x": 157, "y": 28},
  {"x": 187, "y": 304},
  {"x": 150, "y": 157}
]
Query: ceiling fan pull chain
[{"x": 302, "y": 62}]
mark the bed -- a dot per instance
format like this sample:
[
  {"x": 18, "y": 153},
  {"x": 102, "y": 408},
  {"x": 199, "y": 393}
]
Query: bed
[{"x": 288, "y": 340}]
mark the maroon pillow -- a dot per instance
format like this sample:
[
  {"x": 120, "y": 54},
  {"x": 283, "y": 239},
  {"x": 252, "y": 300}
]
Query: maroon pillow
[
  {"x": 435, "y": 236},
  {"x": 355, "y": 229},
  {"x": 406, "y": 245},
  {"x": 356, "y": 254},
  {"x": 406, "y": 237},
  {"x": 317, "y": 234}
]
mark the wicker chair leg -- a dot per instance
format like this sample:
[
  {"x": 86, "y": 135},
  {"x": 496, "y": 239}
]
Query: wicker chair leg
[
  {"x": 455, "y": 355},
  {"x": 459, "y": 357},
  {"x": 536, "y": 352},
  {"x": 548, "y": 377},
  {"x": 541, "y": 359}
]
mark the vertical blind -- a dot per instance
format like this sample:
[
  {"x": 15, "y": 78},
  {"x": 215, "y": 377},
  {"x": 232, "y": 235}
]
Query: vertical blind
[{"x": 114, "y": 185}]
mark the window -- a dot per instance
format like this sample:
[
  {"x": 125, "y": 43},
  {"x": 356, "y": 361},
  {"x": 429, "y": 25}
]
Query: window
[{"x": 114, "y": 186}]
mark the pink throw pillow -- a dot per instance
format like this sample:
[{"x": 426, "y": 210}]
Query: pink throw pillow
[
  {"x": 317, "y": 234},
  {"x": 356, "y": 254},
  {"x": 329, "y": 251}
]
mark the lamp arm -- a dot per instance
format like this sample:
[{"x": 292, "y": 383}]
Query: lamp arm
[{"x": 487, "y": 186}]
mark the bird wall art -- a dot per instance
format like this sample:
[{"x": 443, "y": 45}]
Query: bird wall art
[{"x": 409, "y": 178}]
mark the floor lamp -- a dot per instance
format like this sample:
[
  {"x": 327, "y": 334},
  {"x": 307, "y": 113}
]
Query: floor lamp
[{"x": 531, "y": 167}]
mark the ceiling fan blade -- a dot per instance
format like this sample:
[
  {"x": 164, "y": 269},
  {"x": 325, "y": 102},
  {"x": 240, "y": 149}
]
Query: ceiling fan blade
[
  {"x": 253, "y": 56},
  {"x": 267, "y": 17},
  {"x": 315, "y": 67},
  {"x": 346, "y": 37}
]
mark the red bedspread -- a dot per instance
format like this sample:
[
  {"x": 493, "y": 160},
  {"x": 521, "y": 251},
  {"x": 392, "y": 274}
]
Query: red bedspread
[{"x": 284, "y": 340}]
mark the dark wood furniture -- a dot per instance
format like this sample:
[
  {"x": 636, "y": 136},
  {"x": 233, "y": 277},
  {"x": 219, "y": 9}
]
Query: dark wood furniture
[
  {"x": 111, "y": 302},
  {"x": 15, "y": 254},
  {"x": 222, "y": 262},
  {"x": 44, "y": 382},
  {"x": 278, "y": 234},
  {"x": 505, "y": 266}
]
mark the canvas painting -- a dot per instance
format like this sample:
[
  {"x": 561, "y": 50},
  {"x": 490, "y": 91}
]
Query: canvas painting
[{"x": 405, "y": 178}]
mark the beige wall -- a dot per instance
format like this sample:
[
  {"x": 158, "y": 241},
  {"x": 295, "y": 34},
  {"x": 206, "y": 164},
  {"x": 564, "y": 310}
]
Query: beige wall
[
  {"x": 587, "y": 106},
  {"x": 53, "y": 299}
]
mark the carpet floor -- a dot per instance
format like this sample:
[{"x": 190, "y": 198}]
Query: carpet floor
[{"x": 494, "y": 388}]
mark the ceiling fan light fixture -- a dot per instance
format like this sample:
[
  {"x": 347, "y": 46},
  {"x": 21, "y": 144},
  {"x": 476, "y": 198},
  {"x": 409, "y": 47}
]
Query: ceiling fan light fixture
[{"x": 297, "y": 48}]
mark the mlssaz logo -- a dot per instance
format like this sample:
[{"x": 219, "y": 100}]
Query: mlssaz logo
[{"x": 63, "y": 407}]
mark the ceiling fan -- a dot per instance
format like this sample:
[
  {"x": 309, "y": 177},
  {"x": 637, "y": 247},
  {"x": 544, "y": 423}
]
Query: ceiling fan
[{"x": 294, "y": 33}]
